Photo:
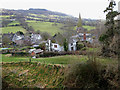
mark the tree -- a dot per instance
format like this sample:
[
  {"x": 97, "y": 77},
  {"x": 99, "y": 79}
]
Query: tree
[
  {"x": 45, "y": 35},
  {"x": 6, "y": 41},
  {"x": 79, "y": 45},
  {"x": 118, "y": 43},
  {"x": 5, "y": 22},
  {"x": 65, "y": 45},
  {"x": 108, "y": 37},
  {"x": 79, "y": 21}
]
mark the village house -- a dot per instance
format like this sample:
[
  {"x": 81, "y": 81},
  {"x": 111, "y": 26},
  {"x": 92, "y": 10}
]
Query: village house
[
  {"x": 55, "y": 44},
  {"x": 18, "y": 38},
  {"x": 36, "y": 38},
  {"x": 55, "y": 47},
  {"x": 35, "y": 52},
  {"x": 79, "y": 37}
]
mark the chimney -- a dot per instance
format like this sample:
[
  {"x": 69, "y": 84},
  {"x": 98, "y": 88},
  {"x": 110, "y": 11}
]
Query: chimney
[{"x": 84, "y": 37}]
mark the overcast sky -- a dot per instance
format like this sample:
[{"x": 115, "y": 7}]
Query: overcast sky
[{"x": 87, "y": 8}]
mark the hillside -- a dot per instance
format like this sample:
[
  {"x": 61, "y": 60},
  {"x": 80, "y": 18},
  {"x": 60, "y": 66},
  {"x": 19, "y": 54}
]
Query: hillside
[
  {"x": 32, "y": 75},
  {"x": 41, "y": 19}
]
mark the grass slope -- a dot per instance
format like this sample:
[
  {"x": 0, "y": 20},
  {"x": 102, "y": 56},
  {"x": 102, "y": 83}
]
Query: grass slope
[
  {"x": 32, "y": 75},
  {"x": 12, "y": 29},
  {"x": 46, "y": 27},
  {"x": 63, "y": 60},
  {"x": 50, "y": 60}
]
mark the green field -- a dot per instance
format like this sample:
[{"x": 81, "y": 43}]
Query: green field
[
  {"x": 30, "y": 21},
  {"x": 6, "y": 16},
  {"x": 50, "y": 60},
  {"x": 14, "y": 23},
  {"x": 12, "y": 29},
  {"x": 89, "y": 27},
  {"x": 58, "y": 59},
  {"x": 46, "y": 27}
]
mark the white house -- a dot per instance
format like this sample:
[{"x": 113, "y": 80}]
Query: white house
[
  {"x": 53, "y": 47},
  {"x": 56, "y": 47},
  {"x": 17, "y": 37},
  {"x": 79, "y": 37},
  {"x": 35, "y": 38},
  {"x": 72, "y": 45}
]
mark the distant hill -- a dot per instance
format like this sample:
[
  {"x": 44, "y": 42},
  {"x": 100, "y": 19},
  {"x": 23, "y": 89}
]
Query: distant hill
[{"x": 41, "y": 19}]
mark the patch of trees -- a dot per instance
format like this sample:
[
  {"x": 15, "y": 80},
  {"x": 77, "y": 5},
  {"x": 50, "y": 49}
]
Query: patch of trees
[
  {"x": 21, "y": 19},
  {"x": 45, "y": 35},
  {"x": 65, "y": 44},
  {"x": 109, "y": 38},
  {"x": 5, "y": 22}
]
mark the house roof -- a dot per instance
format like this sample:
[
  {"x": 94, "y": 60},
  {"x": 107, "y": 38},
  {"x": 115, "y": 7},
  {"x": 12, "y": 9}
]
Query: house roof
[
  {"x": 59, "y": 38},
  {"x": 75, "y": 38},
  {"x": 31, "y": 50},
  {"x": 35, "y": 50},
  {"x": 38, "y": 51}
]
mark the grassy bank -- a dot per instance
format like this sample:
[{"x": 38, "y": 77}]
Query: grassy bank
[{"x": 32, "y": 75}]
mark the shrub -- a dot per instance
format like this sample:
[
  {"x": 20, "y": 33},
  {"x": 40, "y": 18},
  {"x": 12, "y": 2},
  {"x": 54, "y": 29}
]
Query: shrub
[
  {"x": 84, "y": 48},
  {"x": 90, "y": 74},
  {"x": 19, "y": 54},
  {"x": 79, "y": 45}
]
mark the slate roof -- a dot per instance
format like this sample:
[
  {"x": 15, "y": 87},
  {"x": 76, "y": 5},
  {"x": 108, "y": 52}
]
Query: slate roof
[
  {"x": 59, "y": 38},
  {"x": 38, "y": 51}
]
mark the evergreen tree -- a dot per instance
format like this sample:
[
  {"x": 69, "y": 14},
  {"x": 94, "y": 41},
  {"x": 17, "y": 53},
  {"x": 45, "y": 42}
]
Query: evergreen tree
[
  {"x": 79, "y": 21},
  {"x": 107, "y": 38},
  {"x": 65, "y": 45}
]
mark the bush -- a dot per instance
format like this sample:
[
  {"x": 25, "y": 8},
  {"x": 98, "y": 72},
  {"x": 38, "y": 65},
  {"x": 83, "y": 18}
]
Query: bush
[
  {"x": 19, "y": 54},
  {"x": 51, "y": 54},
  {"x": 79, "y": 45},
  {"x": 90, "y": 74},
  {"x": 84, "y": 48}
]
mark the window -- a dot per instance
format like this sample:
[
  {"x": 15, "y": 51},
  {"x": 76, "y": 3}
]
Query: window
[
  {"x": 55, "y": 46},
  {"x": 71, "y": 48}
]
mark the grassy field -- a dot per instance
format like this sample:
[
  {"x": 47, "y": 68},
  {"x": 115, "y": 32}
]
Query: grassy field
[
  {"x": 46, "y": 27},
  {"x": 50, "y": 60},
  {"x": 63, "y": 60},
  {"x": 14, "y": 23},
  {"x": 30, "y": 21},
  {"x": 89, "y": 27},
  {"x": 12, "y": 29},
  {"x": 6, "y": 16}
]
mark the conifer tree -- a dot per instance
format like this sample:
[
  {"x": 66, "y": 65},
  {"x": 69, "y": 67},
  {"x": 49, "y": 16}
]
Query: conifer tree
[
  {"x": 79, "y": 21},
  {"x": 107, "y": 37}
]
